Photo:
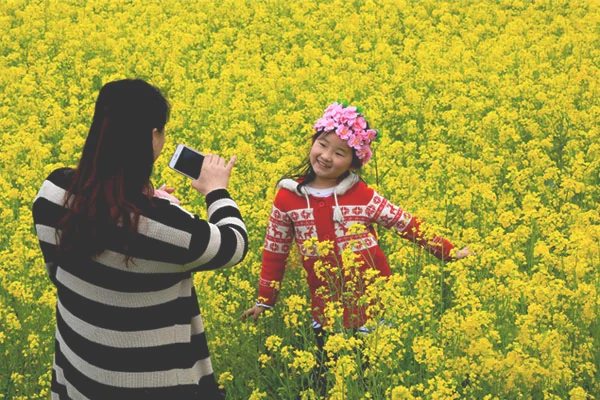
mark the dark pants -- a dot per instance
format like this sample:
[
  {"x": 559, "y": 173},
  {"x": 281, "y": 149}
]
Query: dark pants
[
  {"x": 318, "y": 374},
  {"x": 319, "y": 381}
]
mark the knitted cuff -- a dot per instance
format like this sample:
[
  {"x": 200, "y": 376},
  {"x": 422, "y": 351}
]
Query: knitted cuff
[
  {"x": 215, "y": 195},
  {"x": 263, "y": 305}
]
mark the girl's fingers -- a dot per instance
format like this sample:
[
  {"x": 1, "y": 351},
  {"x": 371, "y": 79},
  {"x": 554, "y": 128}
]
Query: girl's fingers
[
  {"x": 464, "y": 252},
  {"x": 167, "y": 189},
  {"x": 246, "y": 314},
  {"x": 253, "y": 313}
]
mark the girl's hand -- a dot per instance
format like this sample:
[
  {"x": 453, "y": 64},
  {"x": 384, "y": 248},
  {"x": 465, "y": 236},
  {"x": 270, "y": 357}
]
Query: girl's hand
[
  {"x": 165, "y": 193},
  {"x": 254, "y": 312},
  {"x": 214, "y": 175},
  {"x": 167, "y": 189},
  {"x": 462, "y": 253}
]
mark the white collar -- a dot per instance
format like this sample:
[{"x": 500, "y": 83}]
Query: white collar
[
  {"x": 320, "y": 192},
  {"x": 341, "y": 188}
]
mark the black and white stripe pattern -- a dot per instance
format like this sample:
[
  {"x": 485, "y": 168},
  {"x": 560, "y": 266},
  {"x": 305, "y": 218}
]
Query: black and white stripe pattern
[{"x": 134, "y": 330}]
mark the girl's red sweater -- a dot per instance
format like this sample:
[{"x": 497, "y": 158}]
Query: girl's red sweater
[{"x": 302, "y": 217}]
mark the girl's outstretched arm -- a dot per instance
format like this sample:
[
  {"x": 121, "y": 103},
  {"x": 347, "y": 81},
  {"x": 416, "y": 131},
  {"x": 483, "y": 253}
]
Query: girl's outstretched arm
[
  {"x": 278, "y": 241},
  {"x": 409, "y": 227}
]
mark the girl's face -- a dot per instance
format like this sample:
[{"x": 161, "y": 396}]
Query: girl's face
[{"x": 330, "y": 157}]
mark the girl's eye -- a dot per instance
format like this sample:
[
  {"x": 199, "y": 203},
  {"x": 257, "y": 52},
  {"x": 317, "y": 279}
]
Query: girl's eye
[
  {"x": 339, "y": 154},
  {"x": 322, "y": 144}
]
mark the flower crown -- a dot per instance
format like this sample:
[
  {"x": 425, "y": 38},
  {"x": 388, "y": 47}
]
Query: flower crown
[{"x": 349, "y": 123}]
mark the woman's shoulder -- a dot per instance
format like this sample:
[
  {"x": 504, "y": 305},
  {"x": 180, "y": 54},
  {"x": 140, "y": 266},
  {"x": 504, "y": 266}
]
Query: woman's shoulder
[
  {"x": 56, "y": 183},
  {"x": 61, "y": 176},
  {"x": 52, "y": 190}
]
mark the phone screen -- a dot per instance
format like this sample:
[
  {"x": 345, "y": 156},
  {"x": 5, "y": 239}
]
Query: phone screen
[{"x": 189, "y": 162}]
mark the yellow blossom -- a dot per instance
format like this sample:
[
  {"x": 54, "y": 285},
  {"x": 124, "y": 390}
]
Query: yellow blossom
[
  {"x": 304, "y": 361},
  {"x": 273, "y": 342},
  {"x": 224, "y": 379}
]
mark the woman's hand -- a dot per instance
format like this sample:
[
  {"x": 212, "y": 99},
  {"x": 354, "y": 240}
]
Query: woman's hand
[
  {"x": 462, "y": 253},
  {"x": 254, "y": 312},
  {"x": 214, "y": 175}
]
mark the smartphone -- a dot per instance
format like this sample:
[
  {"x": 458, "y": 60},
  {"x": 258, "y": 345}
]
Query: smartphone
[{"x": 187, "y": 161}]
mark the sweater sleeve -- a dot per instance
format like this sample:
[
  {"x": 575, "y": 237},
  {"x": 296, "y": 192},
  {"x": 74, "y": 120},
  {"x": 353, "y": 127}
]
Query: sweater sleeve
[
  {"x": 222, "y": 241},
  {"x": 46, "y": 210},
  {"x": 169, "y": 238},
  {"x": 278, "y": 241},
  {"x": 408, "y": 226}
]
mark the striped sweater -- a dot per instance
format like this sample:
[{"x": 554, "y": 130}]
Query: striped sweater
[{"x": 135, "y": 331}]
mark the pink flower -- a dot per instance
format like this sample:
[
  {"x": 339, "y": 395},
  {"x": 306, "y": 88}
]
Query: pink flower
[
  {"x": 360, "y": 123},
  {"x": 349, "y": 114},
  {"x": 355, "y": 141},
  {"x": 364, "y": 154},
  {"x": 320, "y": 124},
  {"x": 371, "y": 134},
  {"x": 362, "y": 134},
  {"x": 343, "y": 132},
  {"x": 334, "y": 111},
  {"x": 330, "y": 125},
  {"x": 332, "y": 107}
]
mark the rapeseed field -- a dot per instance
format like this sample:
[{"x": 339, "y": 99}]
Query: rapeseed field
[{"x": 490, "y": 120}]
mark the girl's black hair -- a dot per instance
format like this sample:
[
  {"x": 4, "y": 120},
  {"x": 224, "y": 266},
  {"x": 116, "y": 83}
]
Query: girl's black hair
[
  {"x": 305, "y": 173},
  {"x": 113, "y": 176}
]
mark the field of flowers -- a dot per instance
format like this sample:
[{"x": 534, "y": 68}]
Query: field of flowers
[{"x": 490, "y": 114}]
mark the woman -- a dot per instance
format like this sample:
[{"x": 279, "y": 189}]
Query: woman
[{"x": 128, "y": 321}]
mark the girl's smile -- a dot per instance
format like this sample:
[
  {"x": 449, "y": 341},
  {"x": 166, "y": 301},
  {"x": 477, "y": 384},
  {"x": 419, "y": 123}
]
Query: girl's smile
[{"x": 330, "y": 157}]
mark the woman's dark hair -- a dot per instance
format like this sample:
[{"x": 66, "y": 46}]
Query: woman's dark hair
[
  {"x": 113, "y": 174},
  {"x": 305, "y": 173}
]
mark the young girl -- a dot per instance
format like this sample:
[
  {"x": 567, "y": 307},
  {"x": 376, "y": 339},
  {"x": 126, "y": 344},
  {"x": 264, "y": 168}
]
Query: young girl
[{"x": 323, "y": 202}]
